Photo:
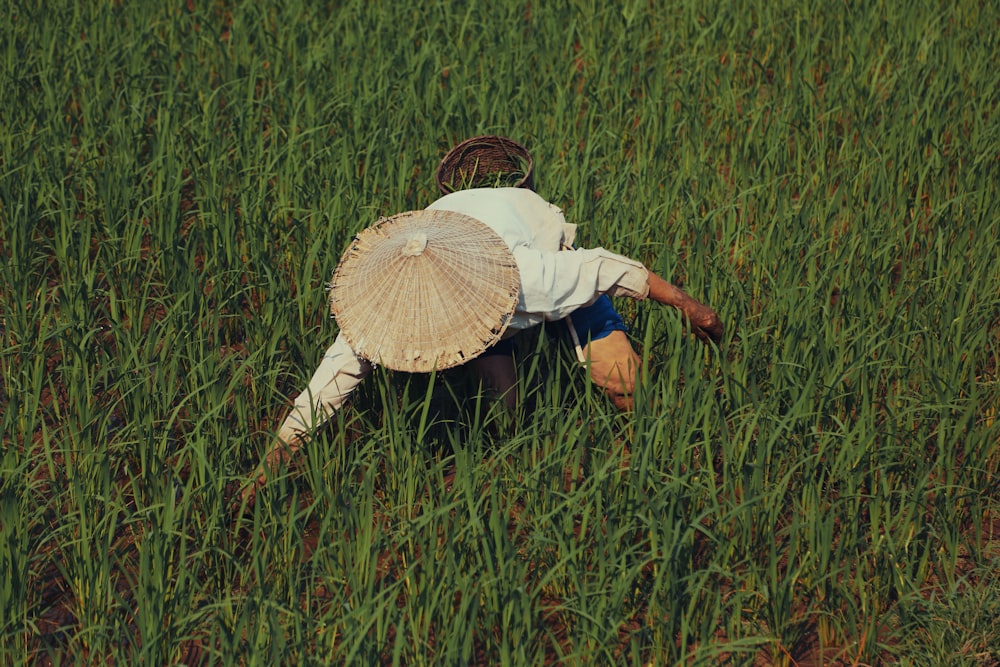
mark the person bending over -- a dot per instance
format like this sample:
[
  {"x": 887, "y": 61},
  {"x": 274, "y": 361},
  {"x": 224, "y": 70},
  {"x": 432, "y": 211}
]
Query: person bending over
[{"x": 451, "y": 284}]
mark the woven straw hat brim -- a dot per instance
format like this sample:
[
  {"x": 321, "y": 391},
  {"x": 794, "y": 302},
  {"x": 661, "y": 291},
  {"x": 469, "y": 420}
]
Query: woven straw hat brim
[{"x": 424, "y": 290}]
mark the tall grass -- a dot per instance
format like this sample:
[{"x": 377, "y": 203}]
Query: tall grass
[{"x": 178, "y": 181}]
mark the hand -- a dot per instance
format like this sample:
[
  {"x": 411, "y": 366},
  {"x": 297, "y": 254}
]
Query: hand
[
  {"x": 705, "y": 323},
  {"x": 281, "y": 453},
  {"x": 249, "y": 493}
]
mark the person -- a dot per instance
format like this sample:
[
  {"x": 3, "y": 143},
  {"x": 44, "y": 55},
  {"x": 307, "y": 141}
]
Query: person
[
  {"x": 555, "y": 281},
  {"x": 596, "y": 327}
]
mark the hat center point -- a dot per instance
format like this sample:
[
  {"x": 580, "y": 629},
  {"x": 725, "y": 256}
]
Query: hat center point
[{"x": 415, "y": 244}]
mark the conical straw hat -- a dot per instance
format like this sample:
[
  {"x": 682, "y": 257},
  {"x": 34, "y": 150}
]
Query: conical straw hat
[{"x": 424, "y": 290}]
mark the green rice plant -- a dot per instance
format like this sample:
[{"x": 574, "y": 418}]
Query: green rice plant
[
  {"x": 15, "y": 525},
  {"x": 178, "y": 182}
]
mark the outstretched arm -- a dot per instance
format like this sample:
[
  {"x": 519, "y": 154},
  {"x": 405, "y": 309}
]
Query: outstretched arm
[
  {"x": 704, "y": 322},
  {"x": 339, "y": 372},
  {"x": 554, "y": 284}
]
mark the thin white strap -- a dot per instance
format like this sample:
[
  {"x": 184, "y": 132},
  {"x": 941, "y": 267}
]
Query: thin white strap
[{"x": 576, "y": 340}]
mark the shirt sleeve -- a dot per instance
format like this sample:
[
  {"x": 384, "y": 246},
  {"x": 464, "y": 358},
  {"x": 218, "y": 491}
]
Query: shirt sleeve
[
  {"x": 554, "y": 284},
  {"x": 339, "y": 373}
]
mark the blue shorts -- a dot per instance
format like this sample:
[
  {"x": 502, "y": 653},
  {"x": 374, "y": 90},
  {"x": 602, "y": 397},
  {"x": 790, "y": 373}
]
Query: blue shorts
[
  {"x": 592, "y": 322},
  {"x": 597, "y": 320}
]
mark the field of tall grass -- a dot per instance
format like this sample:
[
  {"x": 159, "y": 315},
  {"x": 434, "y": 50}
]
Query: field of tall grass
[{"x": 178, "y": 180}]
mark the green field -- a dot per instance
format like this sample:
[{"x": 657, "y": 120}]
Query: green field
[{"x": 178, "y": 180}]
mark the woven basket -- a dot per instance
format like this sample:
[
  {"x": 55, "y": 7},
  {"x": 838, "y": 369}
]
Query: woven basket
[{"x": 485, "y": 161}]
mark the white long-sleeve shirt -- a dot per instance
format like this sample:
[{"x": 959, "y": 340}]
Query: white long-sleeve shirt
[
  {"x": 555, "y": 280},
  {"x": 553, "y": 283}
]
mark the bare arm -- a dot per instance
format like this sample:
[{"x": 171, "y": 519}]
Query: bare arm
[{"x": 704, "y": 322}]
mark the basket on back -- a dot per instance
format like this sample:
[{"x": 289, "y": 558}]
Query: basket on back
[{"x": 486, "y": 161}]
